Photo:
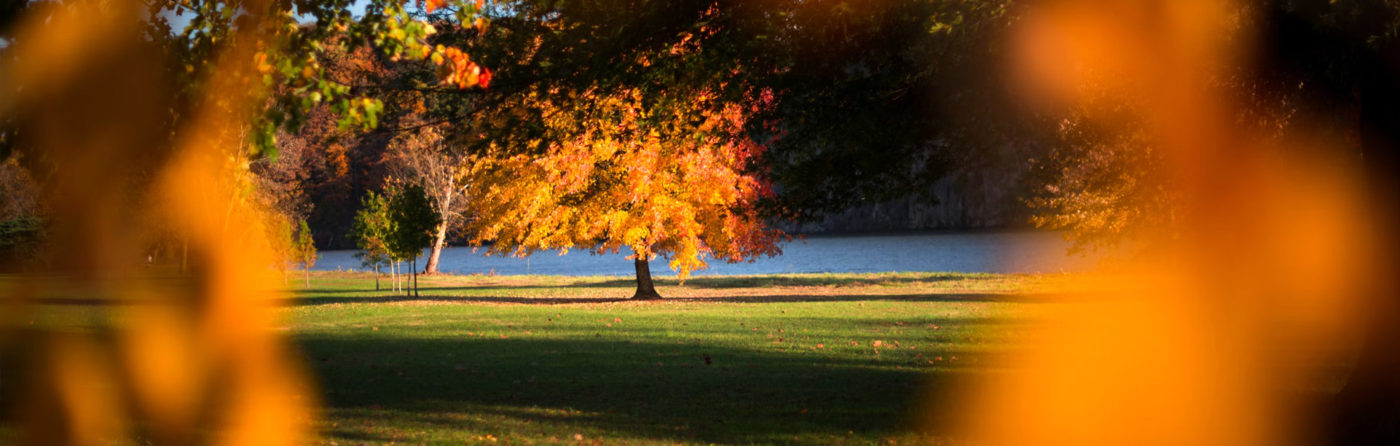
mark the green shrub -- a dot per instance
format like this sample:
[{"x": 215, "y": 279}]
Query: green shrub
[{"x": 21, "y": 239}]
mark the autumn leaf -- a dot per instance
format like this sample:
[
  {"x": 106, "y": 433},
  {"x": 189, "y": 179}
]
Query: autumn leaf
[
  {"x": 484, "y": 80},
  {"x": 259, "y": 60}
]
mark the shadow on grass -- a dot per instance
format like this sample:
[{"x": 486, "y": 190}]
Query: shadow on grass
[
  {"x": 430, "y": 298},
  {"x": 779, "y": 280},
  {"x": 652, "y": 390}
]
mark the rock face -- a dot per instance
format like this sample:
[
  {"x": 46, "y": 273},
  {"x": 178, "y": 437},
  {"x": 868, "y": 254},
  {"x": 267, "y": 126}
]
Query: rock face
[{"x": 979, "y": 197}]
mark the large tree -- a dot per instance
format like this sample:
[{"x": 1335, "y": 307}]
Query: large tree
[
  {"x": 676, "y": 181},
  {"x": 866, "y": 103},
  {"x": 874, "y": 101}
]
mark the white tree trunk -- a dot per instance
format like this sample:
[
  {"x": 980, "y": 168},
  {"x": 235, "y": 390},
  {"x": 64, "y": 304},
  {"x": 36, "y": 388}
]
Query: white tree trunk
[{"x": 432, "y": 266}]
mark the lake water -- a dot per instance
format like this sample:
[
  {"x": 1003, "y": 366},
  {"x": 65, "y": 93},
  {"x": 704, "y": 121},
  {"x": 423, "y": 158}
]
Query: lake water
[{"x": 991, "y": 252}]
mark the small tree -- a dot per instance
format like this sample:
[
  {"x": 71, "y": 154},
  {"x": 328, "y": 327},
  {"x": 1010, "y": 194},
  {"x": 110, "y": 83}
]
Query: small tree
[
  {"x": 423, "y": 157},
  {"x": 371, "y": 233},
  {"x": 283, "y": 245},
  {"x": 305, "y": 250},
  {"x": 413, "y": 219}
]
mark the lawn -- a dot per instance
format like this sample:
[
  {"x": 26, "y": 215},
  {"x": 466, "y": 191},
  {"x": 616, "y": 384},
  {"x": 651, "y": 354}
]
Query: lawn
[
  {"x": 785, "y": 359},
  {"x": 801, "y": 359}
]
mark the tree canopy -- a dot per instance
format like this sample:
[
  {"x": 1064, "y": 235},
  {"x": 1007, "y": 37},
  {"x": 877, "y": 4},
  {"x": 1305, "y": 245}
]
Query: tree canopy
[
  {"x": 413, "y": 222},
  {"x": 870, "y": 102},
  {"x": 677, "y": 182}
]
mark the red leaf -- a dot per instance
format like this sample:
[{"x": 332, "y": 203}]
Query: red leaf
[{"x": 484, "y": 80}]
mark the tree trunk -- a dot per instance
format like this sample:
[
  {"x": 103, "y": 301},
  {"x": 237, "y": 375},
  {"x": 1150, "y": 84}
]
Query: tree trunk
[
  {"x": 308, "y": 276},
  {"x": 415, "y": 276},
  {"x": 376, "y": 275},
  {"x": 645, "y": 289},
  {"x": 432, "y": 266}
]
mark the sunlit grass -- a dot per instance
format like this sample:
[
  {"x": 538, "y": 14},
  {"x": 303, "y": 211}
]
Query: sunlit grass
[{"x": 802, "y": 359}]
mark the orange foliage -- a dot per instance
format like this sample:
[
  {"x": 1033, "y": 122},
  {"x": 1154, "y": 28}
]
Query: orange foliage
[
  {"x": 336, "y": 161},
  {"x": 674, "y": 182},
  {"x": 456, "y": 68}
]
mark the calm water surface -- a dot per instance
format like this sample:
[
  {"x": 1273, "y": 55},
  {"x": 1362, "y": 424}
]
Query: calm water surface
[{"x": 991, "y": 252}]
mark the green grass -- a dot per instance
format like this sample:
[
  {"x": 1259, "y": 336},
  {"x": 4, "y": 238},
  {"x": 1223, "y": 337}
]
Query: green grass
[
  {"x": 783, "y": 359},
  {"x": 792, "y": 358}
]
